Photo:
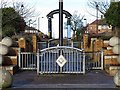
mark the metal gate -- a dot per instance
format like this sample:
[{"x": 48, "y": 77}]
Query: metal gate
[
  {"x": 27, "y": 60},
  {"x": 45, "y": 61},
  {"x": 73, "y": 60},
  {"x": 94, "y": 60}
]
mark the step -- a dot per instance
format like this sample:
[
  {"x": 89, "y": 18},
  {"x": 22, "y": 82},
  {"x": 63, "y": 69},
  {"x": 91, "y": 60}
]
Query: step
[
  {"x": 106, "y": 43},
  {"x": 112, "y": 70},
  {"x": 110, "y": 60},
  {"x": 108, "y": 52},
  {"x": 109, "y": 48},
  {"x": 68, "y": 86},
  {"x": 10, "y": 60},
  {"x": 13, "y": 51},
  {"x": 11, "y": 68},
  {"x": 15, "y": 44}
]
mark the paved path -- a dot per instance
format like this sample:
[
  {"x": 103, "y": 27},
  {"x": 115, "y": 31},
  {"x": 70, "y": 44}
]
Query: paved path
[{"x": 92, "y": 79}]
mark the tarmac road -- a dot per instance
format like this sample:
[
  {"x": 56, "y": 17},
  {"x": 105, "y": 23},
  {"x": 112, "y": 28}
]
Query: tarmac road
[{"x": 92, "y": 80}]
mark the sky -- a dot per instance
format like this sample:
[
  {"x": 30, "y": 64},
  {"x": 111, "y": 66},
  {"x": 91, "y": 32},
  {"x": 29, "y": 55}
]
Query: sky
[{"x": 43, "y": 7}]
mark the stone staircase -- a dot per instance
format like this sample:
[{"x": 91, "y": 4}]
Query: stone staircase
[
  {"x": 10, "y": 60},
  {"x": 111, "y": 64}
]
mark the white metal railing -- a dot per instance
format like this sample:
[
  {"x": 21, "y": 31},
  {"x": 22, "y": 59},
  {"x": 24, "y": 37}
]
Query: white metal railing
[
  {"x": 96, "y": 63},
  {"x": 27, "y": 60},
  {"x": 47, "y": 60},
  {"x": 44, "y": 61}
]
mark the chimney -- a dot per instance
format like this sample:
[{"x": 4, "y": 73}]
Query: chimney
[{"x": 101, "y": 16}]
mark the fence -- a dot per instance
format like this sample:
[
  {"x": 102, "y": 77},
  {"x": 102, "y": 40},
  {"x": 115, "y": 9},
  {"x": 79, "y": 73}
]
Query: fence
[
  {"x": 94, "y": 60},
  {"x": 27, "y": 60},
  {"x": 45, "y": 61}
]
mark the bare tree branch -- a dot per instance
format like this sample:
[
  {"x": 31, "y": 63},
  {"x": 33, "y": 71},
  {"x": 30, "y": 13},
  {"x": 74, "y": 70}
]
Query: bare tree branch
[
  {"x": 102, "y": 5},
  {"x": 91, "y": 13},
  {"x": 3, "y": 3},
  {"x": 22, "y": 8}
]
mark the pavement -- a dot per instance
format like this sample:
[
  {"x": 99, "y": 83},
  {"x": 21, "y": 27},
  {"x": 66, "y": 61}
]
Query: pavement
[{"x": 92, "y": 80}]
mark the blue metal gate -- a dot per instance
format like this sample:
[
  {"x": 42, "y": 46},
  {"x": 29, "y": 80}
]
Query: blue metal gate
[{"x": 47, "y": 60}]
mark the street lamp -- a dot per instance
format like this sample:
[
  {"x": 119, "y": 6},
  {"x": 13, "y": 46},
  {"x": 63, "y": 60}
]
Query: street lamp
[
  {"x": 22, "y": 18},
  {"x": 39, "y": 22},
  {"x": 85, "y": 21},
  {"x": 86, "y": 31},
  {"x": 22, "y": 6},
  {"x": 29, "y": 24},
  {"x": 97, "y": 18}
]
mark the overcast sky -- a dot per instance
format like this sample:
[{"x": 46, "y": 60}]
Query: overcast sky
[{"x": 43, "y": 7}]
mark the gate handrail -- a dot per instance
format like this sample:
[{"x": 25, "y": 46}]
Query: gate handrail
[{"x": 62, "y": 47}]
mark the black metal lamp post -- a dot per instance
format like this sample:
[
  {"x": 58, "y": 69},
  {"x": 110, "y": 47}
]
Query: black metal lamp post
[
  {"x": 29, "y": 24},
  {"x": 22, "y": 6},
  {"x": 22, "y": 18},
  {"x": 97, "y": 18},
  {"x": 61, "y": 22},
  {"x": 50, "y": 27}
]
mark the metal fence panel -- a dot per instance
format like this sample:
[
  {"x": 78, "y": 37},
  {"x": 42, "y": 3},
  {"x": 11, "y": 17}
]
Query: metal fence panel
[
  {"x": 27, "y": 60},
  {"x": 96, "y": 63},
  {"x": 45, "y": 60}
]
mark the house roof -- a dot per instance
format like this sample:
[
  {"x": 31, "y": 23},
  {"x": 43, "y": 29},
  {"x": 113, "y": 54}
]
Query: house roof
[
  {"x": 30, "y": 28},
  {"x": 100, "y": 22}
]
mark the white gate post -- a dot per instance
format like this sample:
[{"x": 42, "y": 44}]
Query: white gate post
[
  {"x": 38, "y": 59},
  {"x": 83, "y": 62},
  {"x": 19, "y": 55},
  {"x": 102, "y": 58}
]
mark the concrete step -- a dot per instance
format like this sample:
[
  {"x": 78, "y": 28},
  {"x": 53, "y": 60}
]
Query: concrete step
[
  {"x": 109, "y": 48},
  {"x": 10, "y": 60},
  {"x": 13, "y": 51},
  {"x": 15, "y": 44},
  {"x": 11, "y": 68},
  {"x": 66, "y": 86},
  {"x": 108, "y": 52},
  {"x": 112, "y": 70},
  {"x": 110, "y": 60}
]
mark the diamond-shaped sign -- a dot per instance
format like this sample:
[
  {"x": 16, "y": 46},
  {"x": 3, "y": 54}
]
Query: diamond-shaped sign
[{"x": 61, "y": 61}]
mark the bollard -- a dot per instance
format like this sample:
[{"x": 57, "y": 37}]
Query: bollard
[
  {"x": 117, "y": 78},
  {"x": 7, "y": 41},
  {"x": 3, "y": 49},
  {"x": 116, "y": 49},
  {"x": 114, "y": 41},
  {"x": 118, "y": 59},
  {"x": 6, "y": 78}
]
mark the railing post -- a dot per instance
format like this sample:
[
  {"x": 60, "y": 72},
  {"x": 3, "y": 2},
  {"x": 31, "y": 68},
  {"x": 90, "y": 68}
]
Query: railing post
[
  {"x": 60, "y": 69},
  {"x": 83, "y": 62},
  {"x": 38, "y": 59},
  {"x": 48, "y": 44},
  {"x": 19, "y": 59},
  {"x": 102, "y": 58},
  {"x": 72, "y": 44}
]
